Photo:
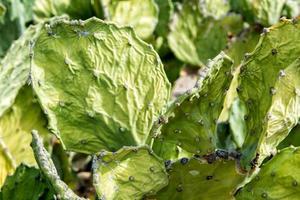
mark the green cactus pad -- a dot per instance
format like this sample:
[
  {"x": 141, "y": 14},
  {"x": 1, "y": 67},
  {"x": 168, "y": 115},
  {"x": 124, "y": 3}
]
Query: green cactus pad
[
  {"x": 75, "y": 9},
  {"x": 215, "y": 9},
  {"x": 130, "y": 173},
  {"x": 243, "y": 44},
  {"x": 195, "y": 180},
  {"x": 234, "y": 111},
  {"x": 27, "y": 183},
  {"x": 13, "y": 16},
  {"x": 101, "y": 86},
  {"x": 166, "y": 10},
  {"x": 195, "y": 39},
  {"x": 265, "y": 12},
  {"x": 279, "y": 178},
  {"x": 142, "y": 15},
  {"x": 47, "y": 167},
  {"x": 268, "y": 85},
  {"x": 15, "y": 137},
  {"x": 190, "y": 124},
  {"x": 14, "y": 69}
]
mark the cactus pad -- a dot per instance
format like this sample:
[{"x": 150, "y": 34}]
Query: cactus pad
[
  {"x": 265, "y": 12},
  {"x": 279, "y": 178},
  {"x": 187, "y": 38},
  {"x": 193, "y": 180},
  {"x": 166, "y": 10},
  {"x": 15, "y": 126},
  {"x": 130, "y": 173},
  {"x": 190, "y": 124},
  {"x": 268, "y": 85},
  {"x": 142, "y": 15},
  {"x": 75, "y": 9},
  {"x": 26, "y": 183},
  {"x": 101, "y": 86},
  {"x": 215, "y": 9}
]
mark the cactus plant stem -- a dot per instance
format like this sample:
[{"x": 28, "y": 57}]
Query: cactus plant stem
[{"x": 47, "y": 167}]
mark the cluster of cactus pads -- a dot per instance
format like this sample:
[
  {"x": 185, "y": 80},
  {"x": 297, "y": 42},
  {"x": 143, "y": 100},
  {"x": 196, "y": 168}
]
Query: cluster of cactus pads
[{"x": 101, "y": 88}]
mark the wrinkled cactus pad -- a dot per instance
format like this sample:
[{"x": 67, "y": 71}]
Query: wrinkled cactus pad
[
  {"x": 14, "y": 69},
  {"x": 268, "y": 85},
  {"x": 194, "y": 38},
  {"x": 190, "y": 123},
  {"x": 130, "y": 173},
  {"x": 142, "y": 15},
  {"x": 100, "y": 85}
]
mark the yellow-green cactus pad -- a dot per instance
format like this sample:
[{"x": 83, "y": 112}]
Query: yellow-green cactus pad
[
  {"x": 194, "y": 180},
  {"x": 190, "y": 124},
  {"x": 269, "y": 86},
  {"x": 100, "y": 85},
  {"x": 195, "y": 39},
  {"x": 75, "y": 9},
  {"x": 142, "y": 15},
  {"x": 130, "y": 173},
  {"x": 266, "y": 12},
  {"x": 15, "y": 126},
  {"x": 279, "y": 178},
  {"x": 27, "y": 183}
]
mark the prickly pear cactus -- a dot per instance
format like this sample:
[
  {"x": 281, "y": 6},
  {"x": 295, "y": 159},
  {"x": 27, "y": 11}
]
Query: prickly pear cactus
[
  {"x": 26, "y": 183},
  {"x": 266, "y": 12},
  {"x": 46, "y": 165},
  {"x": 268, "y": 85},
  {"x": 188, "y": 40},
  {"x": 15, "y": 126},
  {"x": 190, "y": 123},
  {"x": 142, "y": 15},
  {"x": 279, "y": 178},
  {"x": 130, "y": 173},
  {"x": 194, "y": 179},
  {"x": 100, "y": 85},
  {"x": 75, "y": 9}
]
